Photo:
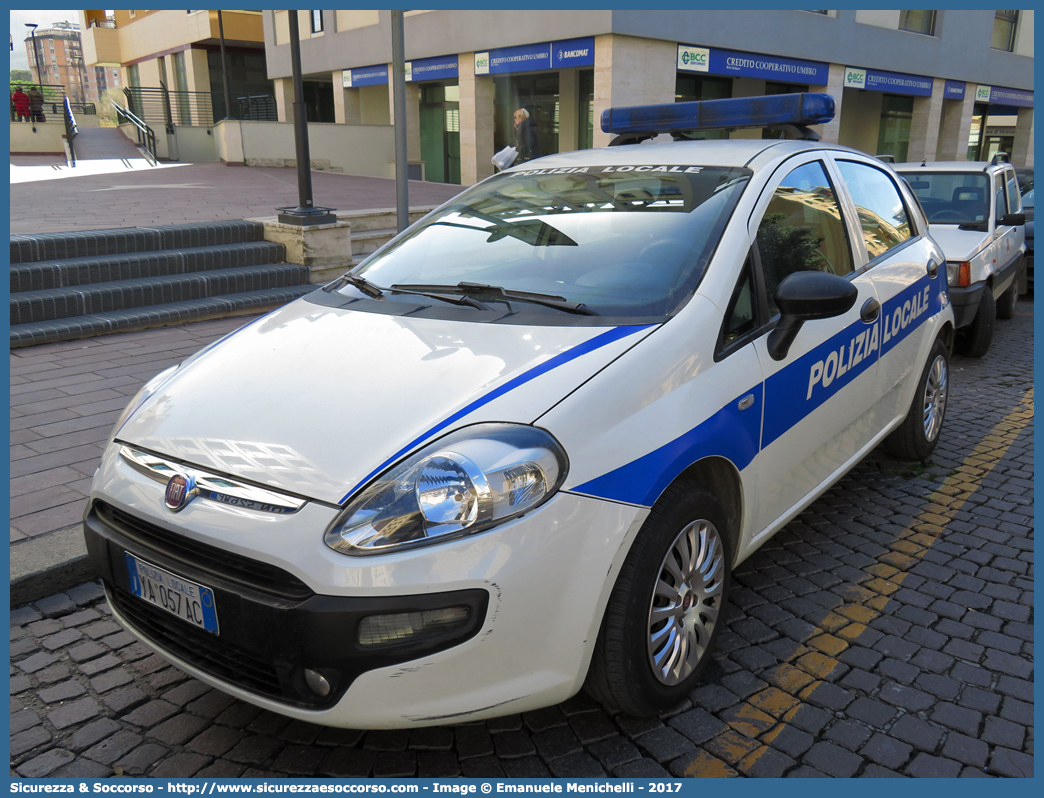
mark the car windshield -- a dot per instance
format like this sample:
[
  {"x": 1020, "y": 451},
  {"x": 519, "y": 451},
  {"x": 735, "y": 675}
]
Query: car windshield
[
  {"x": 619, "y": 241},
  {"x": 952, "y": 197}
]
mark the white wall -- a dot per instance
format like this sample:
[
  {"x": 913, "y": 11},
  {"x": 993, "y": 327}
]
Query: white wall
[
  {"x": 46, "y": 139},
  {"x": 357, "y": 149}
]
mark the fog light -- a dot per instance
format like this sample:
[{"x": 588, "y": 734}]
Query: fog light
[
  {"x": 317, "y": 682},
  {"x": 375, "y": 630}
]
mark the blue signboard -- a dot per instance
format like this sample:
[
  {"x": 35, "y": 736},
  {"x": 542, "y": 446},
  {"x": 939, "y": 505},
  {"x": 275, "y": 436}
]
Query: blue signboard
[
  {"x": 531, "y": 57},
  {"x": 898, "y": 83},
  {"x": 954, "y": 90},
  {"x": 715, "y": 61},
  {"x": 442, "y": 67},
  {"x": 376, "y": 75},
  {"x": 1022, "y": 98},
  {"x": 524, "y": 58},
  {"x": 767, "y": 67},
  {"x": 572, "y": 53}
]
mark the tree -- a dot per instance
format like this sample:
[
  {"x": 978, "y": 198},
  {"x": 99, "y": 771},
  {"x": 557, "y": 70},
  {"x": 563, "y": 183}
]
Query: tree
[{"x": 21, "y": 75}]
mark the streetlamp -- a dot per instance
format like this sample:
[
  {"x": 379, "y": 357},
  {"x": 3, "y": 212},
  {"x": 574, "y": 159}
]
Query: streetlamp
[
  {"x": 36, "y": 53},
  {"x": 224, "y": 70},
  {"x": 305, "y": 214}
]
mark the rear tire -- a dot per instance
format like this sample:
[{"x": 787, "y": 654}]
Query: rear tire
[
  {"x": 667, "y": 607},
  {"x": 917, "y": 435},
  {"x": 975, "y": 339},
  {"x": 1010, "y": 298}
]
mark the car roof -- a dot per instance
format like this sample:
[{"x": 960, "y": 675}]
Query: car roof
[
  {"x": 735, "y": 153},
  {"x": 947, "y": 166}
]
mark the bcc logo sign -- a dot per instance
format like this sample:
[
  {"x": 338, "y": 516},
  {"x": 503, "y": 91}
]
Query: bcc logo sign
[
  {"x": 693, "y": 59},
  {"x": 481, "y": 63},
  {"x": 855, "y": 78}
]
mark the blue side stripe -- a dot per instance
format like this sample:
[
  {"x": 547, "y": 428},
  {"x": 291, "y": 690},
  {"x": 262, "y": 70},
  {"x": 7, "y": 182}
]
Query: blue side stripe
[
  {"x": 735, "y": 434},
  {"x": 608, "y": 337},
  {"x": 730, "y": 433}
]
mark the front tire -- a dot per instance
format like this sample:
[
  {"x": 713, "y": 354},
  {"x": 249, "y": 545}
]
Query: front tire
[
  {"x": 917, "y": 436},
  {"x": 975, "y": 340},
  {"x": 1008, "y": 302},
  {"x": 667, "y": 607}
]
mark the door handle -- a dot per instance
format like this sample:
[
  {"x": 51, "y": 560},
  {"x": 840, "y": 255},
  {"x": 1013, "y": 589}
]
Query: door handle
[
  {"x": 933, "y": 268},
  {"x": 870, "y": 311}
]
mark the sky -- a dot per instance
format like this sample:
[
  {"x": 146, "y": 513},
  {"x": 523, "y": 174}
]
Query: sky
[{"x": 42, "y": 18}]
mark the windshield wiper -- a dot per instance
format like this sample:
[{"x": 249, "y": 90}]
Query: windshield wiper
[
  {"x": 428, "y": 291},
  {"x": 547, "y": 300},
  {"x": 361, "y": 283}
]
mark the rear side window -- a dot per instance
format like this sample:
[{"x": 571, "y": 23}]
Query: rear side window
[
  {"x": 882, "y": 214},
  {"x": 802, "y": 230}
]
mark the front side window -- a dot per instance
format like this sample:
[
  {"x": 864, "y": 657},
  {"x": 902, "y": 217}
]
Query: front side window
[
  {"x": 802, "y": 230},
  {"x": 917, "y": 21},
  {"x": 1000, "y": 202},
  {"x": 625, "y": 241},
  {"x": 1014, "y": 200},
  {"x": 1004, "y": 23},
  {"x": 882, "y": 214},
  {"x": 952, "y": 197}
]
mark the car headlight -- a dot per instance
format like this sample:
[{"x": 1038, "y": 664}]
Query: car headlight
[
  {"x": 464, "y": 483},
  {"x": 147, "y": 390}
]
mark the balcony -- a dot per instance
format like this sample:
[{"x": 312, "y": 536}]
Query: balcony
[{"x": 101, "y": 42}]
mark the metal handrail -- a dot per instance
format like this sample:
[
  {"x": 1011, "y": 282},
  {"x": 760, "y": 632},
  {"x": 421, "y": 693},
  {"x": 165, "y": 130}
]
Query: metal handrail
[
  {"x": 146, "y": 136},
  {"x": 162, "y": 106},
  {"x": 70, "y": 131}
]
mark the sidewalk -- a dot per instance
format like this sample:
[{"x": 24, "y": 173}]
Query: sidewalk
[
  {"x": 129, "y": 196},
  {"x": 65, "y": 399}
]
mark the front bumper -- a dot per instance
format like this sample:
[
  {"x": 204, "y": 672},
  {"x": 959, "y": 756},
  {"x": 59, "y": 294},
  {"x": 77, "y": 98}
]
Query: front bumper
[
  {"x": 537, "y": 587},
  {"x": 267, "y": 639},
  {"x": 965, "y": 303}
]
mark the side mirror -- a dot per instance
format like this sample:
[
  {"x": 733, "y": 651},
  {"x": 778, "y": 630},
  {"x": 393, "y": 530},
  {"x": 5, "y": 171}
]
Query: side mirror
[
  {"x": 806, "y": 296},
  {"x": 1013, "y": 219}
]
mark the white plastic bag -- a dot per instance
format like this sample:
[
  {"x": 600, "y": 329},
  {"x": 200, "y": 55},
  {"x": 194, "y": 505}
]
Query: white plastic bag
[{"x": 504, "y": 158}]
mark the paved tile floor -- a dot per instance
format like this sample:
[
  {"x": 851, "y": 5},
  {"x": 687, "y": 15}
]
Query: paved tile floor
[
  {"x": 202, "y": 192},
  {"x": 887, "y": 631}
]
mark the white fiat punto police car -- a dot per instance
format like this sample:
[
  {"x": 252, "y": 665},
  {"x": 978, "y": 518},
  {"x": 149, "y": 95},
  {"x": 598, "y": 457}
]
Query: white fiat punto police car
[{"x": 520, "y": 448}]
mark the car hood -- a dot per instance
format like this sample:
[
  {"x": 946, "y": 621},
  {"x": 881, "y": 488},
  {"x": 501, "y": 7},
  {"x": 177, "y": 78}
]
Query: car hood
[
  {"x": 316, "y": 400},
  {"x": 957, "y": 244}
]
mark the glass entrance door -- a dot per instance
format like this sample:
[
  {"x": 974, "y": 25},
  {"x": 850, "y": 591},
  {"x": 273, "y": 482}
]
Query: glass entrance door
[
  {"x": 440, "y": 132},
  {"x": 538, "y": 94}
]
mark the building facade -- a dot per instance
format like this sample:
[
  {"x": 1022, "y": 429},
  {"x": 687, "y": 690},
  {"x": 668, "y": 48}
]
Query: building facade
[
  {"x": 57, "y": 60},
  {"x": 180, "y": 51},
  {"x": 942, "y": 85}
]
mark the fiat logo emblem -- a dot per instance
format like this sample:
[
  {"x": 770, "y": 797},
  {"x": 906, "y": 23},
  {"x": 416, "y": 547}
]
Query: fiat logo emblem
[{"x": 179, "y": 492}]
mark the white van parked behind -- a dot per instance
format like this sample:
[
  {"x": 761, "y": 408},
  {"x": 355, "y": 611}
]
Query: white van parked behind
[
  {"x": 975, "y": 212},
  {"x": 521, "y": 447}
]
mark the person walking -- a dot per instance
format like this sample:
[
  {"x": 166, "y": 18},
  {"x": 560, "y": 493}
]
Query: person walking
[
  {"x": 525, "y": 137},
  {"x": 36, "y": 102},
  {"x": 21, "y": 104}
]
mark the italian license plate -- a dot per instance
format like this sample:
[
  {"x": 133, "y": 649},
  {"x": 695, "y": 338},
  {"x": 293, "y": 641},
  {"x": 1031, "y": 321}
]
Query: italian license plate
[{"x": 192, "y": 603}]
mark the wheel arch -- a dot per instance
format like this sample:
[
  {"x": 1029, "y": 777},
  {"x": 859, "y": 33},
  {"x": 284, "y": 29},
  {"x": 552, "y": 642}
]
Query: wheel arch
[{"x": 721, "y": 477}]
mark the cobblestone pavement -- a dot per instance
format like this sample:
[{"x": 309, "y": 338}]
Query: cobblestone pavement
[{"x": 887, "y": 631}]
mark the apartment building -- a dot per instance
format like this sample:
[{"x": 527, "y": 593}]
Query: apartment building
[{"x": 57, "y": 60}]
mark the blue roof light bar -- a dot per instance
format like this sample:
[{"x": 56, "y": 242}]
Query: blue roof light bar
[{"x": 798, "y": 110}]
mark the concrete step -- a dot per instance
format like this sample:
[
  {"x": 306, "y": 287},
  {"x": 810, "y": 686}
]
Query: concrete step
[
  {"x": 370, "y": 241},
  {"x": 119, "y": 241},
  {"x": 102, "y": 298},
  {"x": 43, "y": 275},
  {"x": 155, "y": 316},
  {"x": 380, "y": 218}
]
